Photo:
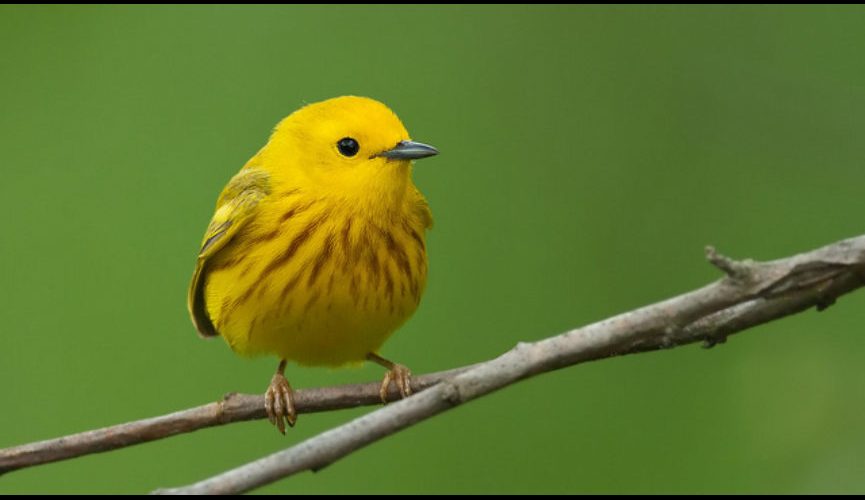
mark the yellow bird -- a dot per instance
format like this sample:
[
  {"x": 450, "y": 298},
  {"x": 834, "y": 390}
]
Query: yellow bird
[{"x": 316, "y": 252}]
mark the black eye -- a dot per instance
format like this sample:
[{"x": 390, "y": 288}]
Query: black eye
[{"x": 348, "y": 146}]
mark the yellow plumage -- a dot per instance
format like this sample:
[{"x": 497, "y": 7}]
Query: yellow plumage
[{"x": 316, "y": 251}]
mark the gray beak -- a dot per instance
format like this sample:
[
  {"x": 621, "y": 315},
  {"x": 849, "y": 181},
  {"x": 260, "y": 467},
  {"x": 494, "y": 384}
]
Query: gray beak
[{"x": 410, "y": 150}]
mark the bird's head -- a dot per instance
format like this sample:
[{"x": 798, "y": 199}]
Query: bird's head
[{"x": 351, "y": 147}]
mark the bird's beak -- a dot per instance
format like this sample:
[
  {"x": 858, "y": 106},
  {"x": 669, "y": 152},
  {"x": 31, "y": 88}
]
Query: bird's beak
[{"x": 410, "y": 150}]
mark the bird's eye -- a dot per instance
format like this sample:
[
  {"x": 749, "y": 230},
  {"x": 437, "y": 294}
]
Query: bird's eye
[{"x": 348, "y": 146}]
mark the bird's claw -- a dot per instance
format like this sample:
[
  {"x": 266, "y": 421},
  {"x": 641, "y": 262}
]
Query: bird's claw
[
  {"x": 399, "y": 374},
  {"x": 279, "y": 403}
]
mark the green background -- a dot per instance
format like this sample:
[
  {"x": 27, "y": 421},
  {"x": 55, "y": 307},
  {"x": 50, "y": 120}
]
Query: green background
[{"x": 588, "y": 155}]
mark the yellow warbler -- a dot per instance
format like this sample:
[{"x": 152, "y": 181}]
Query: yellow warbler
[{"x": 316, "y": 252}]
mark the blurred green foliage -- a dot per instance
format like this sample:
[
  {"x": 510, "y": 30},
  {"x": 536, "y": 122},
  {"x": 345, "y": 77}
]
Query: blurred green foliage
[{"x": 588, "y": 155}]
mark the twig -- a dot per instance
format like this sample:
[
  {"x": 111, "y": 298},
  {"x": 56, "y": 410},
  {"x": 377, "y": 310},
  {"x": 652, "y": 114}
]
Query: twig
[
  {"x": 232, "y": 408},
  {"x": 752, "y": 293}
]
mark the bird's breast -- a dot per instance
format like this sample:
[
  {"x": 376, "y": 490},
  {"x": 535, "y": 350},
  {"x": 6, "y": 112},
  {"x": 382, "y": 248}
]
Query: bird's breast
[{"x": 317, "y": 283}]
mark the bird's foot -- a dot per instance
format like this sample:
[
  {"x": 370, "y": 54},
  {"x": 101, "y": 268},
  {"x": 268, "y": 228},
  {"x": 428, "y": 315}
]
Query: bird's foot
[
  {"x": 400, "y": 375},
  {"x": 279, "y": 403}
]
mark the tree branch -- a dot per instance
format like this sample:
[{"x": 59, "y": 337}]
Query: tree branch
[
  {"x": 751, "y": 293},
  {"x": 232, "y": 408}
]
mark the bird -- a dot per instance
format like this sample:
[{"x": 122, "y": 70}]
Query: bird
[{"x": 316, "y": 252}]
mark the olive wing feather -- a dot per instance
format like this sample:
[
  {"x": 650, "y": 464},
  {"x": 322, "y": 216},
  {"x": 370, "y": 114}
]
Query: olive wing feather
[{"x": 234, "y": 209}]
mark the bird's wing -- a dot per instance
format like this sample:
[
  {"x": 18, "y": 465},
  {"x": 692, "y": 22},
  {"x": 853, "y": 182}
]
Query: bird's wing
[{"x": 234, "y": 209}]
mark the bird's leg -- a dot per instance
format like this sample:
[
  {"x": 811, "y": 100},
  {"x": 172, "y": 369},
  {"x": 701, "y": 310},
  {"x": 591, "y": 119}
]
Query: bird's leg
[
  {"x": 279, "y": 400},
  {"x": 396, "y": 372}
]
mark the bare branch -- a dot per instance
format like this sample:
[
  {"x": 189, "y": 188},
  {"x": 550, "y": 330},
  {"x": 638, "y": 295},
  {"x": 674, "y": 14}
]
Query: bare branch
[
  {"x": 232, "y": 408},
  {"x": 751, "y": 294}
]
